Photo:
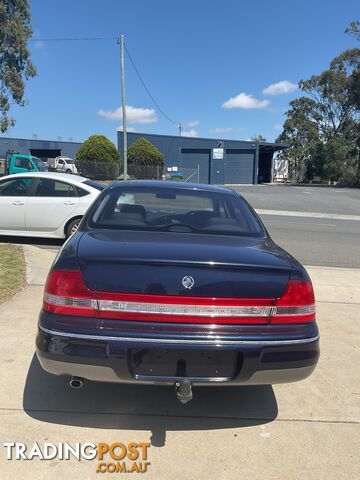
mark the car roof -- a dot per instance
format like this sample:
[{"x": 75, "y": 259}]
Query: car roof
[
  {"x": 173, "y": 185},
  {"x": 52, "y": 175}
]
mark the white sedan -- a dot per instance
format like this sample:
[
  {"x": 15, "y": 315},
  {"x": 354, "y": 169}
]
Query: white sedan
[{"x": 44, "y": 204}]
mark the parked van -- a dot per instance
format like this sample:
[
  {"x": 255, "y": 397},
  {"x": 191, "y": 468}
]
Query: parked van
[{"x": 62, "y": 165}]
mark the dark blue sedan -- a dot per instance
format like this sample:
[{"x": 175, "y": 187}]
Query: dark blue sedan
[{"x": 177, "y": 284}]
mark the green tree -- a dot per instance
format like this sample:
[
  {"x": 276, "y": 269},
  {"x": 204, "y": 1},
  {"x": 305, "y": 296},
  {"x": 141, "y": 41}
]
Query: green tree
[
  {"x": 339, "y": 159},
  {"x": 145, "y": 160},
  {"x": 300, "y": 131},
  {"x": 258, "y": 138},
  {"x": 316, "y": 161},
  {"x": 327, "y": 115},
  {"x": 98, "y": 158},
  {"x": 15, "y": 63},
  {"x": 354, "y": 29}
]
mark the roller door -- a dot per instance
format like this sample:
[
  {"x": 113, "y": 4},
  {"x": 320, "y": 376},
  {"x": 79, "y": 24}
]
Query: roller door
[{"x": 239, "y": 166}]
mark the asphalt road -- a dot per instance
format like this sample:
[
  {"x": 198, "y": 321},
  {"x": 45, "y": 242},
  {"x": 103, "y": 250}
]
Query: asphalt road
[
  {"x": 331, "y": 243},
  {"x": 321, "y": 199},
  {"x": 313, "y": 241}
]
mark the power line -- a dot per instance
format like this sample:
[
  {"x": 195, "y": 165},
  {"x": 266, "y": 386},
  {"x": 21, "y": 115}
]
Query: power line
[
  {"x": 148, "y": 91},
  {"x": 86, "y": 39}
]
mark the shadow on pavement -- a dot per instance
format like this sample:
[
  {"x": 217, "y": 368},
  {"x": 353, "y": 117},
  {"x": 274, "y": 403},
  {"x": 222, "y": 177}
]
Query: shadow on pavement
[
  {"x": 39, "y": 242},
  {"x": 49, "y": 398}
]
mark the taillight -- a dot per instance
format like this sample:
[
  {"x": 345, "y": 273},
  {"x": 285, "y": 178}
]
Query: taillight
[
  {"x": 297, "y": 304},
  {"x": 67, "y": 294},
  {"x": 178, "y": 309}
]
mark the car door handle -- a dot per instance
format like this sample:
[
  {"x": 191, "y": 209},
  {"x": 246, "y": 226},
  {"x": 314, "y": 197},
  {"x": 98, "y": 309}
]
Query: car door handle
[
  {"x": 69, "y": 202},
  {"x": 18, "y": 202}
]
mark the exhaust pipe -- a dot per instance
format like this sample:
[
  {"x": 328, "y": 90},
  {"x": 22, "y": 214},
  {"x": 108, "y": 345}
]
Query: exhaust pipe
[
  {"x": 76, "y": 383},
  {"x": 183, "y": 391}
]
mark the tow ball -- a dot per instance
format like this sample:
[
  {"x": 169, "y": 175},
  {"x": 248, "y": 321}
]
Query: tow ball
[{"x": 183, "y": 391}]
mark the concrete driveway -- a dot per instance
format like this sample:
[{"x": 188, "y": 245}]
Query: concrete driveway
[{"x": 303, "y": 430}]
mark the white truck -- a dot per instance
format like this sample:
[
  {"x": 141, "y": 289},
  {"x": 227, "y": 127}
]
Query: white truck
[{"x": 62, "y": 164}]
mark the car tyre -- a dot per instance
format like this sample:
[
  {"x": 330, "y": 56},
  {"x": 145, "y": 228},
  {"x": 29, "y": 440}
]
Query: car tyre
[
  {"x": 68, "y": 171},
  {"x": 72, "y": 227}
]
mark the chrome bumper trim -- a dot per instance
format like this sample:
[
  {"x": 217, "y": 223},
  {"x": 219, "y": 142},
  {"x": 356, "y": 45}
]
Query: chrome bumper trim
[{"x": 215, "y": 341}]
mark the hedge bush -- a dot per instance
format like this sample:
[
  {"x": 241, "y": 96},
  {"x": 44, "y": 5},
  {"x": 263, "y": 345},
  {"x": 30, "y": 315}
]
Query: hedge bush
[
  {"x": 98, "y": 158},
  {"x": 144, "y": 160}
]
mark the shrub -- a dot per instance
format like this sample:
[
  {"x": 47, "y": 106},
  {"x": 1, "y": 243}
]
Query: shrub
[
  {"x": 98, "y": 158},
  {"x": 144, "y": 160}
]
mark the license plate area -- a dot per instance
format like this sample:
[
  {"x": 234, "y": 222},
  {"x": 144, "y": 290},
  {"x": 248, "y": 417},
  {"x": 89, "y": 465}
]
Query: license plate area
[{"x": 173, "y": 364}]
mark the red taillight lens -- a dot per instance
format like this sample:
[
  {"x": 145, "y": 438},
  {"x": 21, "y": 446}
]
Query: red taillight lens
[
  {"x": 297, "y": 305},
  {"x": 66, "y": 294}
]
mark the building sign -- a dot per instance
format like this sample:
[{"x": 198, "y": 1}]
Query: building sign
[{"x": 218, "y": 154}]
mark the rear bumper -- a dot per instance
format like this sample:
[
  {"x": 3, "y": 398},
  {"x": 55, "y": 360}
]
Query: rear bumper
[{"x": 105, "y": 352}]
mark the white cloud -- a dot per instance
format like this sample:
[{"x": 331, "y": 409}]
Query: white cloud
[
  {"x": 133, "y": 114},
  {"x": 278, "y": 126},
  {"x": 190, "y": 133},
  {"x": 284, "y": 86},
  {"x": 244, "y": 100},
  {"x": 227, "y": 130},
  {"x": 193, "y": 123}
]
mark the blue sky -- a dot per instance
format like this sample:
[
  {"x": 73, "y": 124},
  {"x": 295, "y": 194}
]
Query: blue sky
[{"x": 214, "y": 66}]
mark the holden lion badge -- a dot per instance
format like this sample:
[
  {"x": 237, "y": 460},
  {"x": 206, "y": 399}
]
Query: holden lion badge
[{"x": 188, "y": 282}]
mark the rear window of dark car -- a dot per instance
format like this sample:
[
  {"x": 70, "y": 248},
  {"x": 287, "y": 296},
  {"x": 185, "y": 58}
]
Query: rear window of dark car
[{"x": 175, "y": 210}]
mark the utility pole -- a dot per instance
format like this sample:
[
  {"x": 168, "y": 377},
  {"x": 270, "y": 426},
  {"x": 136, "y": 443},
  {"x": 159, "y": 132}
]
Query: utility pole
[
  {"x": 180, "y": 129},
  {"x": 123, "y": 103}
]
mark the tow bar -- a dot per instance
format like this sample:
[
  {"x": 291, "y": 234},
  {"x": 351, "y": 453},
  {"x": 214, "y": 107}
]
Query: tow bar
[{"x": 183, "y": 391}]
